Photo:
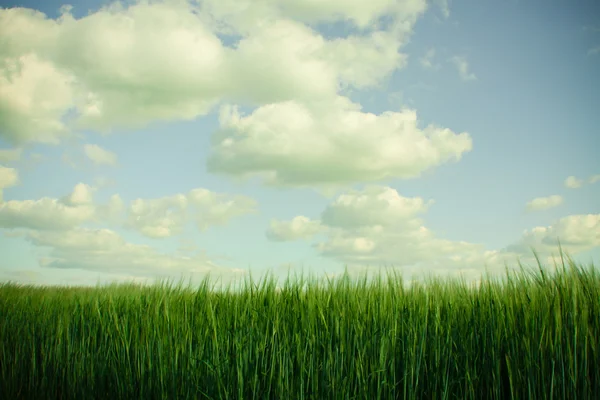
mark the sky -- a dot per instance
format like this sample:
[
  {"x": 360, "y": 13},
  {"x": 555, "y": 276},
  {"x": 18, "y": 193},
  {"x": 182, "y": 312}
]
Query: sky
[{"x": 150, "y": 140}]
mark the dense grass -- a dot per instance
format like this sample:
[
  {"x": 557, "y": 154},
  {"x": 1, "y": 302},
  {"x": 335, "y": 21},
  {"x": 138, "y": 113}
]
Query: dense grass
[{"x": 532, "y": 336}]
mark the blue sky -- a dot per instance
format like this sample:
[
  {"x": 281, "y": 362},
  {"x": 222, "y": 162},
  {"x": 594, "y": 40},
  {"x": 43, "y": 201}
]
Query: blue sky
[{"x": 176, "y": 138}]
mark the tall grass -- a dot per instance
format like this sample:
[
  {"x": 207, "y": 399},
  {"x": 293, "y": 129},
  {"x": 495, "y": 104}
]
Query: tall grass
[{"x": 532, "y": 336}]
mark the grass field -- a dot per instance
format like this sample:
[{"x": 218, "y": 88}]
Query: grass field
[{"x": 532, "y": 336}]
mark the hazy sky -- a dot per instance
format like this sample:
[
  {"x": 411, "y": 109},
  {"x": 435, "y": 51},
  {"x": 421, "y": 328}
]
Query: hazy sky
[{"x": 158, "y": 139}]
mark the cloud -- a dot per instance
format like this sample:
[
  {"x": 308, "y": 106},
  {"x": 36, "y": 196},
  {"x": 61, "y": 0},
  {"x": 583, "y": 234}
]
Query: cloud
[
  {"x": 158, "y": 218},
  {"x": 299, "y": 227},
  {"x": 427, "y": 60},
  {"x": 374, "y": 205},
  {"x": 34, "y": 96},
  {"x": 323, "y": 143},
  {"x": 573, "y": 183},
  {"x": 376, "y": 227},
  {"x": 462, "y": 66},
  {"x": 544, "y": 203},
  {"x": 594, "y": 178},
  {"x": 218, "y": 208},
  {"x": 98, "y": 155},
  {"x": 127, "y": 66},
  {"x": 168, "y": 216},
  {"x": 242, "y": 16},
  {"x": 576, "y": 233},
  {"x": 10, "y": 155},
  {"x": 103, "y": 250},
  {"x": 47, "y": 213},
  {"x": 8, "y": 177}
]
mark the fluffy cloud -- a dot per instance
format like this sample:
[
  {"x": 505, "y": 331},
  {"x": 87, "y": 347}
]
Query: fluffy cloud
[
  {"x": 293, "y": 144},
  {"x": 47, "y": 213},
  {"x": 103, "y": 250},
  {"x": 594, "y": 178},
  {"x": 218, "y": 208},
  {"x": 375, "y": 205},
  {"x": 376, "y": 226},
  {"x": 299, "y": 227},
  {"x": 8, "y": 178},
  {"x": 573, "y": 183},
  {"x": 158, "y": 218},
  {"x": 241, "y": 16},
  {"x": 168, "y": 216},
  {"x": 462, "y": 66},
  {"x": 34, "y": 96},
  {"x": 125, "y": 66},
  {"x": 98, "y": 155},
  {"x": 544, "y": 203},
  {"x": 576, "y": 233}
]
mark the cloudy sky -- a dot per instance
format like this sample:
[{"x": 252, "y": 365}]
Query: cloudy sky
[{"x": 166, "y": 139}]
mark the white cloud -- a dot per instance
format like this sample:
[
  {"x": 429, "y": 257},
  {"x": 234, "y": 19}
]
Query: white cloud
[
  {"x": 299, "y": 227},
  {"x": 103, "y": 250},
  {"x": 594, "y": 178},
  {"x": 126, "y": 66},
  {"x": 99, "y": 155},
  {"x": 43, "y": 214},
  {"x": 576, "y": 233},
  {"x": 374, "y": 205},
  {"x": 34, "y": 96},
  {"x": 544, "y": 203},
  {"x": 323, "y": 143},
  {"x": 158, "y": 218},
  {"x": 376, "y": 226},
  {"x": 243, "y": 16},
  {"x": 218, "y": 208},
  {"x": 8, "y": 177},
  {"x": 10, "y": 155},
  {"x": 462, "y": 66},
  {"x": 61, "y": 214},
  {"x": 573, "y": 183},
  {"x": 168, "y": 216}
]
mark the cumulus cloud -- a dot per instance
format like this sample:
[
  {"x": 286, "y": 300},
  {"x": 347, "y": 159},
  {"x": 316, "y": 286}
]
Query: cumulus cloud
[
  {"x": 573, "y": 183},
  {"x": 462, "y": 66},
  {"x": 299, "y": 227},
  {"x": 168, "y": 216},
  {"x": 98, "y": 155},
  {"x": 594, "y": 178},
  {"x": 8, "y": 177},
  {"x": 47, "y": 213},
  {"x": 218, "y": 208},
  {"x": 576, "y": 233},
  {"x": 126, "y": 66},
  {"x": 372, "y": 206},
  {"x": 158, "y": 218},
  {"x": 103, "y": 250},
  {"x": 544, "y": 203},
  {"x": 34, "y": 96},
  {"x": 294, "y": 144},
  {"x": 377, "y": 226}
]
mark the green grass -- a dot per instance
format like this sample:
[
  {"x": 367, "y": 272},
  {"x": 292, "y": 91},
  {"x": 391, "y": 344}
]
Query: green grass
[{"x": 533, "y": 335}]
